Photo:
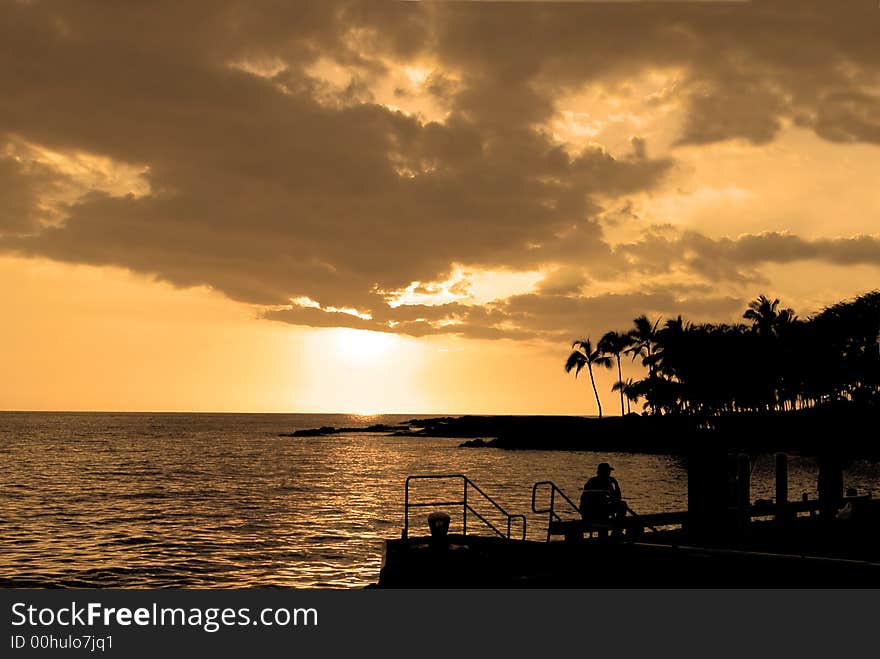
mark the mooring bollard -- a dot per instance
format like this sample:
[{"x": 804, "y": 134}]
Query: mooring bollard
[{"x": 439, "y": 524}]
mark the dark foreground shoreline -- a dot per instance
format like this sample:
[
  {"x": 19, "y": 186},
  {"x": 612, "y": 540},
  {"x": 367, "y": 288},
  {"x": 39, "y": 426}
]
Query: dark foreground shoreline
[{"x": 848, "y": 430}]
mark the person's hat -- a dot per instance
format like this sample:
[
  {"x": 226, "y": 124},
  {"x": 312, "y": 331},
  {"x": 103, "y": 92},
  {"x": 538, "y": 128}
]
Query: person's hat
[{"x": 604, "y": 466}]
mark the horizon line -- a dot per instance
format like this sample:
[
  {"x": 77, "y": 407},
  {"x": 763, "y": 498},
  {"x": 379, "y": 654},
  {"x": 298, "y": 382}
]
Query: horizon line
[{"x": 362, "y": 414}]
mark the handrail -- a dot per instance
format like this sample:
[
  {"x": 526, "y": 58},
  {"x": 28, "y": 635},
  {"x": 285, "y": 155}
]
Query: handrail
[
  {"x": 463, "y": 502},
  {"x": 553, "y": 515},
  {"x": 638, "y": 517},
  {"x": 552, "y": 509}
]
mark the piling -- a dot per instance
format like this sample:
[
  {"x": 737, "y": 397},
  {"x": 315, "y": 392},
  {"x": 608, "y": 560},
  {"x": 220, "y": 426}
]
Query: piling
[{"x": 708, "y": 500}]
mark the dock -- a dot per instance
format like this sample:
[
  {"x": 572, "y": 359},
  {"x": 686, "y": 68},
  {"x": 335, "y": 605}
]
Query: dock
[{"x": 723, "y": 539}]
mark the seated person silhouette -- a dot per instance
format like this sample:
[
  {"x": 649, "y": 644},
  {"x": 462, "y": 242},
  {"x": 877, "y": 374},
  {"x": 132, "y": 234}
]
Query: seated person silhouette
[{"x": 601, "y": 501}]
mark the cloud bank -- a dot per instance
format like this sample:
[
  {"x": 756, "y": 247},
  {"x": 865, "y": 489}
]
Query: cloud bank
[{"x": 340, "y": 152}]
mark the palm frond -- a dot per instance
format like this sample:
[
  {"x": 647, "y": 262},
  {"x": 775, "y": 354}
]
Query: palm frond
[
  {"x": 583, "y": 344},
  {"x": 576, "y": 360}
]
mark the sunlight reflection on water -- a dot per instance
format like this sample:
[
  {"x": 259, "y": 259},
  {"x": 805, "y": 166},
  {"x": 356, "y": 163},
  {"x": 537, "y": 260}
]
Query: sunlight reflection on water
[{"x": 141, "y": 500}]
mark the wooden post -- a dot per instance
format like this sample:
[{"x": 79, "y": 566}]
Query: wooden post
[
  {"x": 805, "y": 498},
  {"x": 781, "y": 487},
  {"x": 743, "y": 490},
  {"x": 708, "y": 499}
]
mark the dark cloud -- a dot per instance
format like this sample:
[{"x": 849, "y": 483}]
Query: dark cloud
[
  {"x": 849, "y": 117},
  {"x": 640, "y": 147},
  {"x": 747, "y": 109},
  {"x": 746, "y": 67},
  {"x": 786, "y": 248},
  {"x": 594, "y": 315},
  {"x": 563, "y": 281},
  {"x": 265, "y": 193},
  {"x": 732, "y": 259},
  {"x": 268, "y": 182},
  {"x": 23, "y": 185},
  {"x": 469, "y": 321},
  {"x": 540, "y": 315}
]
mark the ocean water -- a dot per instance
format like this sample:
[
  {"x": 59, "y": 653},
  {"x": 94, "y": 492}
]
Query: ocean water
[{"x": 221, "y": 501}]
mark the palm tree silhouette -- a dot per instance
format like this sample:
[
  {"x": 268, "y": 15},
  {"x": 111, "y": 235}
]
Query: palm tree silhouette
[
  {"x": 643, "y": 338},
  {"x": 584, "y": 355},
  {"x": 786, "y": 317},
  {"x": 626, "y": 388},
  {"x": 709, "y": 369},
  {"x": 764, "y": 315},
  {"x": 615, "y": 343}
]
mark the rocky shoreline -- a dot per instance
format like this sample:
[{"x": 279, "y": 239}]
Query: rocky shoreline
[
  {"x": 332, "y": 430},
  {"x": 843, "y": 428}
]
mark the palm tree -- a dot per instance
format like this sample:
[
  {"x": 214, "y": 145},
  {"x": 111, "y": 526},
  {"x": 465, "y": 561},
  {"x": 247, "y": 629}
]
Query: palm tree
[
  {"x": 711, "y": 369},
  {"x": 771, "y": 324},
  {"x": 643, "y": 341},
  {"x": 626, "y": 388},
  {"x": 584, "y": 355},
  {"x": 643, "y": 338},
  {"x": 786, "y": 317},
  {"x": 614, "y": 343},
  {"x": 762, "y": 312}
]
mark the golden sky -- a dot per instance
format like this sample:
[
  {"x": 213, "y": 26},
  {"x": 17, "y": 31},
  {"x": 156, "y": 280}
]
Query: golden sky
[{"x": 413, "y": 207}]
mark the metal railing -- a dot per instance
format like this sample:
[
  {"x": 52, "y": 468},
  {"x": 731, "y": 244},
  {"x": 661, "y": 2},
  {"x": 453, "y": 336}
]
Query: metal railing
[
  {"x": 553, "y": 515},
  {"x": 467, "y": 484}
]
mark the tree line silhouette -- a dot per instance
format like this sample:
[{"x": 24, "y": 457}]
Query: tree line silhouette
[{"x": 774, "y": 362}]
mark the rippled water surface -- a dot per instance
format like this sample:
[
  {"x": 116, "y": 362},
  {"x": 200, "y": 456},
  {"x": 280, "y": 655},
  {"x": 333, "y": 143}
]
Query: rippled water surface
[{"x": 220, "y": 500}]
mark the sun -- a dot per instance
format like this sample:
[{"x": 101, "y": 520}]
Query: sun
[{"x": 362, "y": 345}]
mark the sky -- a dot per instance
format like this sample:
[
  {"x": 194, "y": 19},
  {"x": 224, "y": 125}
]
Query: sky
[{"x": 413, "y": 207}]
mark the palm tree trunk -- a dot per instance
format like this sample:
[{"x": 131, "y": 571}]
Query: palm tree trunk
[
  {"x": 651, "y": 380},
  {"x": 595, "y": 391},
  {"x": 620, "y": 379}
]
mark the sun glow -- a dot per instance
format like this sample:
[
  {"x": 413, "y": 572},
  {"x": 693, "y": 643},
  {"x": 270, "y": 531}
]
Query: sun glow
[
  {"x": 362, "y": 345},
  {"x": 417, "y": 75}
]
